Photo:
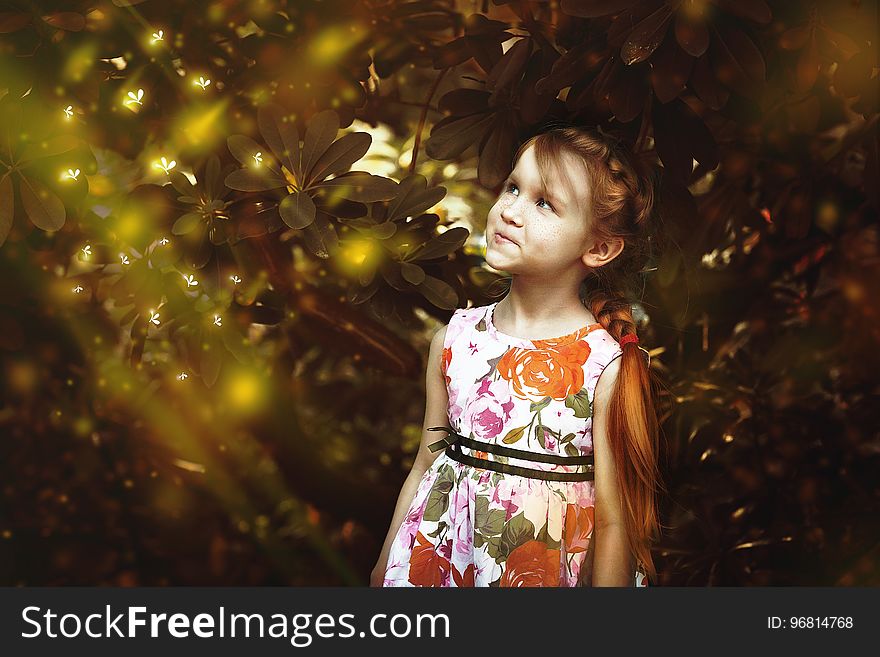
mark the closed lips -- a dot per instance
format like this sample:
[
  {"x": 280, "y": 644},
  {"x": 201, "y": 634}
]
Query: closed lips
[{"x": 503, "y": 236}]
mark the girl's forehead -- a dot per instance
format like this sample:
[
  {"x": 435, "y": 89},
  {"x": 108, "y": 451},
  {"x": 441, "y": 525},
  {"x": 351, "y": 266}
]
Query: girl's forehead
[{"x": 566, "y": 177}]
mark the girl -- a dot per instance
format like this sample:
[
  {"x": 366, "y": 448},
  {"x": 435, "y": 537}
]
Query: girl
[{"x": 547, "y": 473}]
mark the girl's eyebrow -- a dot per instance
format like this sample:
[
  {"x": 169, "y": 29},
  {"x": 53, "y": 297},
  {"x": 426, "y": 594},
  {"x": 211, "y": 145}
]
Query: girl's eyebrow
[{"x": 557, "y": 201}]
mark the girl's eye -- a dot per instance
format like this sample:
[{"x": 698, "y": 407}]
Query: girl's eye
[{"x": 512, "y": 186}]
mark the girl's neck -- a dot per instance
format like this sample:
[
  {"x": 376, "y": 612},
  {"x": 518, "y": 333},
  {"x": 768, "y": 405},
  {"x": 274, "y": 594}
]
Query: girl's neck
[{"x": 542, "y": 311}]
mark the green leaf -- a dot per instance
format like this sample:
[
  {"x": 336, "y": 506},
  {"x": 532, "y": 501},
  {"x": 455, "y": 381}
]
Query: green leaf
[
  {"x": 49, "y": 148},
  {"x": 297, "y": 210},
  {"x": 70, "y": 21},
  {"x": 496, "y": 549},
  {"x": 413, "y": 198},
  {"x": 494, "y": 524},
  {"x": 539, "y": 434},
  {"x": 539, "y": 405},
  {"x": 250, "y": 180},
  {"x": 481, "y": 511},
  {"x": 436, "y": 506},
  {"x": 571, "y": 450},
  {"x": 594, "y": 8},
  {"x": 412, "y": 273},
  {"x": 438, "y": 292},
  {"x": 180, "y": 183},
  {"x": 7, "y": 207},
  {"x": 236, "y": 344},
  {"x": 514, "y": 436},
  {"x": 186, "y": 224},
  {"x": 320, "y": 236},
  {"x": 12, "y": 22},
  {"x": 343, "y": 153},
  {"x": 42, "y": 206},
  {"x": 580, "y": 403},
  {"x": 449, "y": 139},
  {"x": 320, "y": 134},
  {"x": 382, "y": 231},
  {"x": 361, "y": 186},
  {"x": 441, "y": 245},
  {"x": 211, "y": 177},
  {"x": 281, "y": 136},
  {"x": 391, "y": 273},
  {"x": 138, "y": 339},
  {"x": 545, "y": 538},
  {"x": 517, "y": 531},
  {"x": 243, "y": 148},
  {"x": 211, "y": 360},
  {"x": 440, "y": 527},
  {"x": 568, "y": 438}
]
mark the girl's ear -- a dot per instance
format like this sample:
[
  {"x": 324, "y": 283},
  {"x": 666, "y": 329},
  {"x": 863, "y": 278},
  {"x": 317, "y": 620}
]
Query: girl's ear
[{"x": 601, "y": 252}]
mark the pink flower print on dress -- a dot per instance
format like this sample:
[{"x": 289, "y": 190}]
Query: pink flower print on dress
[
  {"x": 490, "y": 409},
  {"x": 461, "y": 522},
  {"x": 508, "y": 495}
]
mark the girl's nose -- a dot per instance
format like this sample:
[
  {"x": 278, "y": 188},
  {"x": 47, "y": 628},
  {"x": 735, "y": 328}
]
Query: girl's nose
[{"x": 511, "y": 210}]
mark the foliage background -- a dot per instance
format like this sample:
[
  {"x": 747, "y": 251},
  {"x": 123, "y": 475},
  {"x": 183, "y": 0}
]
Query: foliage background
[{"x": 212, "y": 371}]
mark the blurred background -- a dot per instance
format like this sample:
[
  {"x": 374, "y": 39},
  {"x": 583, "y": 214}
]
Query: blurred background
[{"x": 228, "y": 231}]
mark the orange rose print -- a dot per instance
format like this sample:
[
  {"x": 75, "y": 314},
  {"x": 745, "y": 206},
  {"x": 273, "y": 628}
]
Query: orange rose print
[
  {"x": 426, "y": 567},
  {"x": 531, "y": 564},
  {"x": 466, "y": 579},
  {"x": 548, "y": 371},
  {"x": 578, "y": 528},
  {"x": 445, "y": 359}
]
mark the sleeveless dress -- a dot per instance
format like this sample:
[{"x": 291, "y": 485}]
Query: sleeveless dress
[{"x": 471, "y": 526}]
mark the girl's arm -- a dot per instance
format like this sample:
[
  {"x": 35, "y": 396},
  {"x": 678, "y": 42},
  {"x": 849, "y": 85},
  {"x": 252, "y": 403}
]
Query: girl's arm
[
  {"x": 613, "y": 564},
  {"x": 436, "y": 415}
]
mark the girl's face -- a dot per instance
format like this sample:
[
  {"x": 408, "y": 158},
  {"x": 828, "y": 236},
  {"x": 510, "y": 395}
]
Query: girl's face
[{"x": 546, "y": 230}]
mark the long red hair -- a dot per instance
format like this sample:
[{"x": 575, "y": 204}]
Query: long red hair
[{"x": 620, "y": 204}]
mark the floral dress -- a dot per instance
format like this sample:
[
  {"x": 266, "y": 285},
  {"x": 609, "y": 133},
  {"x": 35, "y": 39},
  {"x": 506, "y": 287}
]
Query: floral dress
[{"x": 470, "y": 526}]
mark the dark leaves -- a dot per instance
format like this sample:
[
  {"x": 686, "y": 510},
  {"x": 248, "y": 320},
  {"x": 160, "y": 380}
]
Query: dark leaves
[
  {"x": 7, "y": 207},
  {"x": 737, "y": 61},
  {"x": 297, "y": 210},
  {"x": 254, "y": 180},
  {"x": 692, "y": 35},
  {"x": 339, "y": 157},
  {"x": 706, "y": 85},
  {"x": 438, "y": 292},
  {"x": 281, "y": 136},
  {"x": 670, "y": 71},
  {"x": 509, "y": 68},
  {"x": 452, "y": 135},
  {"x": 321, "y": 132},
  {"x": 681, "y": 137},
  {"x": 360, "y": 186},
  {"x": 42, "y": 205},
  {"x": 595, "y": 8},
  {"x": 66, "y": 20},
  {"x": 441, "y": 245},
  {"x": 13, "y": 21},
  {"x": 752, "y": 10},
  {"x": 496, "y": 151},
  {"x": 243, "y": 149},
  {"x": 186, "y": 223},
  {"x": 320, "y": 236},
  {"x": 646, "y": 36},
  {"x": 413, "y": 197},
  {"x": 627, "y": 92}
]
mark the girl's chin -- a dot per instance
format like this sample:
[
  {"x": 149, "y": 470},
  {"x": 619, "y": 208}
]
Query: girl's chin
[{"x": 493, "y": 262}]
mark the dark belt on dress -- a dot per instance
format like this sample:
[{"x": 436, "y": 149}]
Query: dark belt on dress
[{"x": 453, "y": 442}]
